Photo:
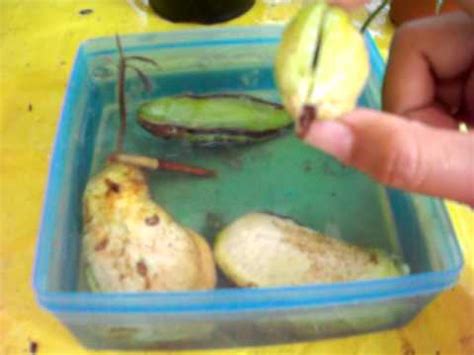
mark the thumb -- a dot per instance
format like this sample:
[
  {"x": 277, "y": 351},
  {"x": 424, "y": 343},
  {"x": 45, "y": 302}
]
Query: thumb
[{"x": 401, "y": 153}]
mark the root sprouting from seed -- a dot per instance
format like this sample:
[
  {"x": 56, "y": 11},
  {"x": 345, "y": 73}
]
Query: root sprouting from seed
[
  {"x": 128, "y": 62},
  {"x": 123, "y": 65}
]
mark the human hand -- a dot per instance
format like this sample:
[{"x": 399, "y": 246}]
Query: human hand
[{"x": 428, "y": 90}]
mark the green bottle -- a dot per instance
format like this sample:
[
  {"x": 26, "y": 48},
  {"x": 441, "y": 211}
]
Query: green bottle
[{"x": 201, "y": 11}]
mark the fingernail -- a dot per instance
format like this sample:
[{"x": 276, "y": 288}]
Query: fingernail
[{"x": 333, "y": 137}]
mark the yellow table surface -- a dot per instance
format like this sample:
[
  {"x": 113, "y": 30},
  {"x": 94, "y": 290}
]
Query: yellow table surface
[{"x": 38, "y": 40}]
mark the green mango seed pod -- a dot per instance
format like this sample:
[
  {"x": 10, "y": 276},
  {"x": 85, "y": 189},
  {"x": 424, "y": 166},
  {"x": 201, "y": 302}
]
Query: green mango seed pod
[
  {"x": 263, "y": 250},
  {"x": 209, "y": 119},
  {"x": 321, "y": 65}
]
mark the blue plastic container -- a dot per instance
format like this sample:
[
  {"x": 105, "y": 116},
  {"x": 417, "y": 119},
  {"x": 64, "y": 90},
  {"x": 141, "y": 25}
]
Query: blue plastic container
[{"x": 354, "y": 208}]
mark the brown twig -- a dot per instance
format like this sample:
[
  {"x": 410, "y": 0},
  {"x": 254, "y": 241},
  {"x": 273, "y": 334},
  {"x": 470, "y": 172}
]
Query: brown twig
[
  {"x": 184, "y": 168},
  {"x": 121, "y": 97},
  {"x": 145, "y": 80},
  {"x": 142, "y": 59},
  {"x": 144, "y": 162},
  {"x": 139, "y": 160}
]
